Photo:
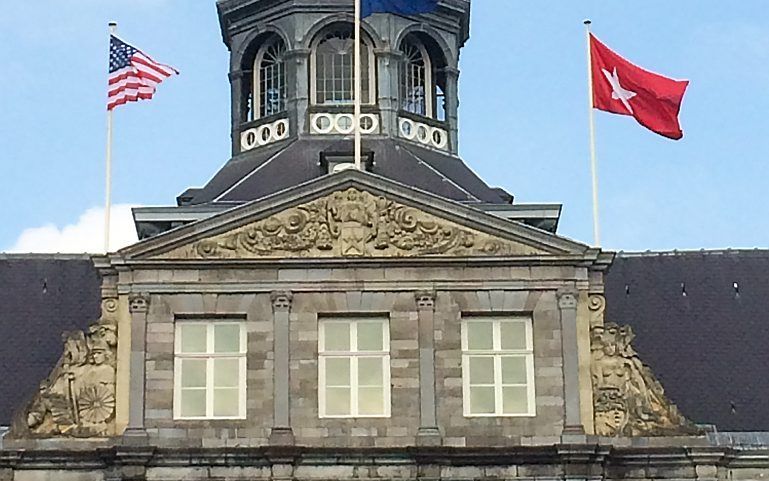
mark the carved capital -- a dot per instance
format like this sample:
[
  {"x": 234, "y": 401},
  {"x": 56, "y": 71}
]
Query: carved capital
[
  {"x": 425, "y": 300},
  {"x": 281, "y": 300},
  {"x": 138, "y": 303},
  {"x": 567, "y": 299}
]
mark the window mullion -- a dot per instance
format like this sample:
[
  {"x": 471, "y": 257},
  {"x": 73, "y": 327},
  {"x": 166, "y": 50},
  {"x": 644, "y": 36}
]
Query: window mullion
[
  {"x": 498, "y": 398},
  {"x": 210, "y": 387},
  {"x": 354, "y": 385}
]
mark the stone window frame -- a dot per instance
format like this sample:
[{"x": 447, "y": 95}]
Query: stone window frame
[
  {"x": 497, "y": 353},
  {"x": 210, "y": 356},
  {"x": 354, "y": 355}
]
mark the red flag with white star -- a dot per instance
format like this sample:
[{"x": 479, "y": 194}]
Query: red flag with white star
[{"x": 626, "y": 89}]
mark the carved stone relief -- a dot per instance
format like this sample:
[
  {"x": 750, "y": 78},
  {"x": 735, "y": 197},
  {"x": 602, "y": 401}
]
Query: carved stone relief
[
  {"x": 597, "y": 306},
  {"x": 78, "y": 397},
  {"x": 629, "y": 400},
  {"x": 350, "y": 223}
]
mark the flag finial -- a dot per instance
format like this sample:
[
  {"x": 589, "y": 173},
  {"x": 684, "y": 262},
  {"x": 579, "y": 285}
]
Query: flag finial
[{"x": 587, "y": 21}]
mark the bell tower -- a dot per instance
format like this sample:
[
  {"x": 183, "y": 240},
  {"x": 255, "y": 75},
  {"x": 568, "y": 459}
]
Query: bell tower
[
  {"x": 291, "y": 72},
  {"x": 291, "y": 79}
]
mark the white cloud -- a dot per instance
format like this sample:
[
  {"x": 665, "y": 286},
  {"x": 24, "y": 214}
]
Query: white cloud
[{"x": 85, "y": 235}]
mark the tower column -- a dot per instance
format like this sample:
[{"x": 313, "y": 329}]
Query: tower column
[
  {"x": 239, "y": 91},
  {"x": 298, "y": 90},
  {"x": 388, "y": 85},
  {"x": 452, "y": 107}
]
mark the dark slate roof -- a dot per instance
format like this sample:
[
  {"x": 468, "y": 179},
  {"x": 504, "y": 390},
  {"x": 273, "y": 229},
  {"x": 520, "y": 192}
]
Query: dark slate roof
[
  {"x": 40, "y": 298},
  {"x": 702, "y": 324},
  {"x": 270, "y": 169}
]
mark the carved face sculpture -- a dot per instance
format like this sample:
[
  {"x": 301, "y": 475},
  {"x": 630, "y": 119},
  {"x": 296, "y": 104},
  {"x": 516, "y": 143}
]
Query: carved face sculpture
[
  {"x": 611, "y": 422},
  {"x": 98, "y": 356},
  {"x": 611, "y": 416}
]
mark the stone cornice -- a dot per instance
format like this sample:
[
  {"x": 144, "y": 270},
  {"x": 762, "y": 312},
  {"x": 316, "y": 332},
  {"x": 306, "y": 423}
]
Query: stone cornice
[{"x": 673, "y": 454}]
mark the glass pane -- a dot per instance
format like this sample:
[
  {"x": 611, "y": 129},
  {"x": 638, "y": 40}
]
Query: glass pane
[
  {"x": 338, "y": 401},
  {"x": 515, "y": 400},
  {"x": 481, "y": 370},
  {"x": 480, "y": 335},
  {"x": 513, "y": 335},
  {"x": 193, "y": 338},
  {"x": 513, "y": 370},
  {"x": 226, "y": 338},
  {"x": 337, "y": 371},
  {"x": 482, "y": 400},
  {"x": 370, "y": 336},
  {"x": 193, "y": 373},
  {"x": 193, "y": 403},
  {"x": 226, "y": 372},
  {"x": 226, "y": 402},
  {"x": 370, "y": 401},
  {"x": 370, "y": 371},
  {"x": 337, "y": 336}
]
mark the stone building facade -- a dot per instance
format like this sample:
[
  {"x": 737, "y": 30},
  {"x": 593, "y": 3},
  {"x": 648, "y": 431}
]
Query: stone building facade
[{"x": 317, "y": 322}]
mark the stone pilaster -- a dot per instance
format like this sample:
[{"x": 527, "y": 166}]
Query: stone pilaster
[
  {"x": 567, "y": 306},
  {"x": 428, "y": 434},
  {"x": 138, "y": 305},
  {"x": 281, "y": 431}
]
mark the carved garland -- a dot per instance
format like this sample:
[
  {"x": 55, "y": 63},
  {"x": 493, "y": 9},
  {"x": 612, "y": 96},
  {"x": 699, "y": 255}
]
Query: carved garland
[
  {"x": 628, "y": 398},
  {"x": 350, "y": 223}
]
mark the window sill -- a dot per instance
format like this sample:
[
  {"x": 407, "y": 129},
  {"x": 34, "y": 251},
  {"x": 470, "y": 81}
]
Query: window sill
[{"x": 423, "y": 119}]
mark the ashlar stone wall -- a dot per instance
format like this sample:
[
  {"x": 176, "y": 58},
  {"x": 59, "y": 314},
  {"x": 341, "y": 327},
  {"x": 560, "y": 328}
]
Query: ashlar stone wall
[{"x": 454, "y": 291}]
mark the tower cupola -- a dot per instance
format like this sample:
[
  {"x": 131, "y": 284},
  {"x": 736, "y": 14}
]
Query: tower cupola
[{"x": 291, "y": 72}]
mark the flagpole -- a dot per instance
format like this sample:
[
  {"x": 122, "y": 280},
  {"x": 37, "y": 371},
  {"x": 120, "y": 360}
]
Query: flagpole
[
  {"x": 357, "y": 82},
  {"x": 591, "y": 116},
  {"x": 108, "y": 167}
]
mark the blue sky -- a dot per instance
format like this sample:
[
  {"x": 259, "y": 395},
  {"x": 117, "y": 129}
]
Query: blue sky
[{"x": 523, "y": 114}]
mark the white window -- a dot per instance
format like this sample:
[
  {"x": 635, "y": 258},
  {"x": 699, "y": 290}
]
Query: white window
[
  {"x": 332, "y": 68},
  {"x": 416, "y": 79},
  {"x": 270, "y": 78},
  {"x": 354, "y": 368},
  {"x": 498, "y": 366},
  {"x": 210, "y": 370}
]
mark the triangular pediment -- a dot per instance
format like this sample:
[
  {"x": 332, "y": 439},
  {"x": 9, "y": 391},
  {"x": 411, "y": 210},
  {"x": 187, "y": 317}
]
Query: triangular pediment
[{"x": 351, "y": 215}]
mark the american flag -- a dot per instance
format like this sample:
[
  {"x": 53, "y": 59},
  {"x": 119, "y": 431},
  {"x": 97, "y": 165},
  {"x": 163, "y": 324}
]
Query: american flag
[{"x": 132, "y": 74}]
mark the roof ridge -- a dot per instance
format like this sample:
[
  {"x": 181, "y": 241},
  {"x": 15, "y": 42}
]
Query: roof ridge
[{"x": 692, "y": 252}]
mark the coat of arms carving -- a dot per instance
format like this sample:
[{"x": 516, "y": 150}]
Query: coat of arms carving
[{"x": 351, "y": 224}]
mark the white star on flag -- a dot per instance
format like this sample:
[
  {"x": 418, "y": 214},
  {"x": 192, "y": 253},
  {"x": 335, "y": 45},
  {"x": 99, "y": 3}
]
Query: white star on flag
[{"x": 619, "y": 93}]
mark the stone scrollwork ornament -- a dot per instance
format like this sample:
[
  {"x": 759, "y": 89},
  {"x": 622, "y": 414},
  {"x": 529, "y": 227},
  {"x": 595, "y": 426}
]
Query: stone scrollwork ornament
[
  {"x": 78, "y": 398},
  {"x": 350, "y": 223},
  {"x": 629, "y": 400}
]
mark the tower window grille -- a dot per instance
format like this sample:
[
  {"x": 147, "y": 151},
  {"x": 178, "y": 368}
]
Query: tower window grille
[
  {"x": 333, "y": 76},
  {"x": 270, "y": 81},
  {"x": 416, "y": 80}
]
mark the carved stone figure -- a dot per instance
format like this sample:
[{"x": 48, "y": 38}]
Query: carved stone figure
[
  {"x": 629, "y": 401},
  {"x": 78, "y": 398},
  {"x": 351, "y": 223}
]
